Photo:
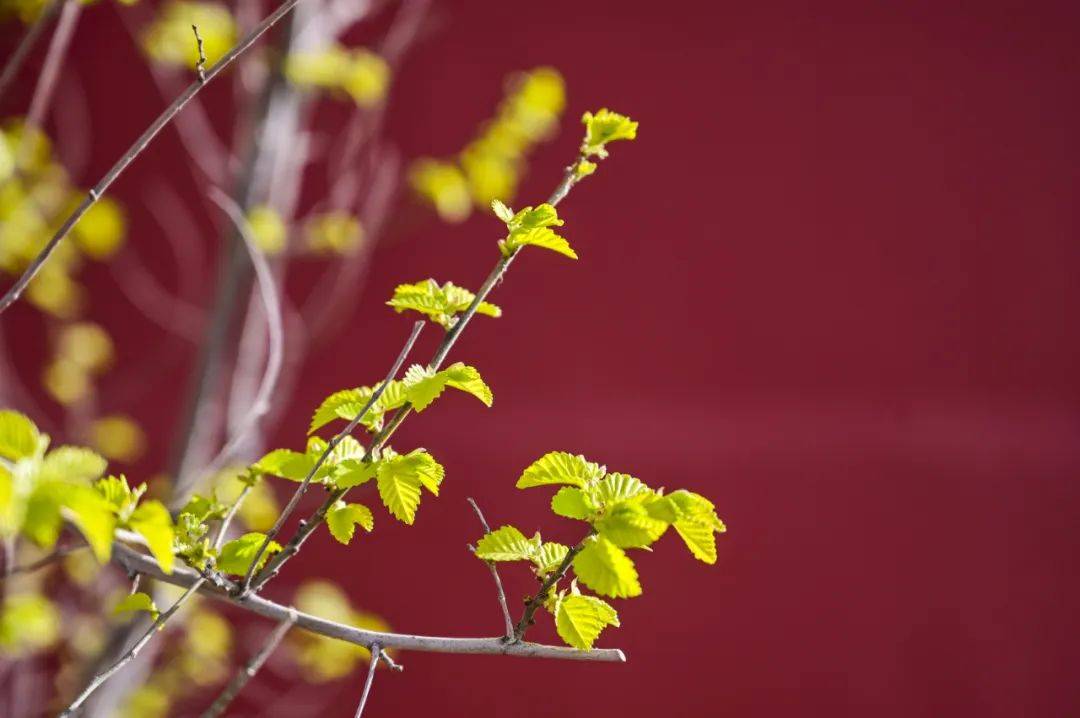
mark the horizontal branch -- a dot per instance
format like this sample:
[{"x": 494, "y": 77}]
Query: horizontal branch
[{"x": 135, "y": 561}]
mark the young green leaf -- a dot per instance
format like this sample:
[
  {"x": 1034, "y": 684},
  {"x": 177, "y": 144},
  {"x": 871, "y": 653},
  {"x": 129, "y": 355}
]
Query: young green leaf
[
  {"x": 72, "y": 464},
  {"x": 343, "y": 517},
  {"x": 399, "y": 491},
  {"x": 628, "y": 525},
  {"x": 617, "y": 487},
  {"x": 423, "y": 386},
  {"x": 440, "y": 304},
  {"x": 93, "y": 516},
  {"x": 19, "y": 437},
  {"x": 531, "y": 226},
  {"x": 573, "y": 503},
  {"x": 353, "y": 472},
  {"x": 152, "y": 521},
  {"x": 605, "y": 126},
  {"x": 549, "y": 557},
  {"x": 286, "y": 464},
  {"x": 580, "y": 619},
  {"x": 137, "y": 602},
  {"x": 559, "y": 467},
  {"x": 699, "y": 538},
  {"x": 236, "y": 556},
  {"x": 507, "y": 544},
  {"x": 606, "y": 569}
]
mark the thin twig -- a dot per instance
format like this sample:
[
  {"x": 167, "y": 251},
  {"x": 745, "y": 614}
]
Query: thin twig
[
  {"x": 33, "y": 33},
  {"x": 275, "y": 332},
  {"x": 308, "y": 526},
  {"x": 223, "y": 528},
  {"x": 50, "y": 72},
  {"x": 376, "y": 653},
  {"x": 45, "y": 561},
  {"x": 295, "y": 500},
  {"x": 541, "y": 595},
  {"x": 136, "y": 149},
  {"x": 99, "y": 679},
  {"x": 135, "y": 560},
  {"x": 200, "y": 64},
  {"x": 494, "y": 574},
  {"x": 244, "y": 675}
]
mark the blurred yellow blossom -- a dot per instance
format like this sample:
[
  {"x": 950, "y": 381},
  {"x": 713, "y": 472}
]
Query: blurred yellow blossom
[
  {"x": 267, "y": 228},
  {"x": 359, "y": 73},
  {"x": 321, "y": 658},
  {"x": 170, "y": 41},
  {"x": 333, "y": 233},
  {"x": 118, "y": 438}
]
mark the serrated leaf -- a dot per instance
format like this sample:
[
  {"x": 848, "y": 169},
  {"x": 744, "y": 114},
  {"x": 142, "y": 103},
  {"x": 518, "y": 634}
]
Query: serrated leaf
[
  {"x": 423, "y": 466},
  {"x": 115, "y": 490},
  {"x": 71, "y": 464},
  {"x": 344, "y": 404},
  {"x": 422, "y": 386},
  {"x": 353, "y": 472},
  {"x": 236, "y": 556},
  {"x": 343, "y": 518},
  {"x": 549, "y": 557},
  {"x": 19, "y": 436},
  {"x": 580, "y": 619},
  {"x": 502, "y": 211},
  {"x": 399, "y": 491},
  {"x": 538, "y": 237},
  {"x": 699, "y": 538},
  {"x": 559, "y": 467},
  {"x": 440, "y": 304},
  {"x": 606, "y": 569},
  {"x": 506, "y": 543},
  {"x": 137, "y": 602},
  {"x": 628, "y": 525},
  {"x": 152, "y": 521},
  {"x": 605, "y": 126},
  {"x": 93, "y": 516},
  {"x": 286, "y": 464},
  {"x": 617, "y": 487},
  {"x": 573, "y": 503}
]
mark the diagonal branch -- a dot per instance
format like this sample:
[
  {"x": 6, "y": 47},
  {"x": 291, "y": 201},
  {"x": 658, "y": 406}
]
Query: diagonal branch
[
  {"x": 33, "y": 33},
  {"x": 541, "y": 595},
  {"x": 295, "y": 500},
  {"x": 494, "y": 574},
  {"x": 196, "y": 583},
  {"x": 137, "y": 149},
  {"x": 376, "y": 654},
  {"x": 244, "y": 676},
  {"x": 308, "y": 526},
  {"x": 134, "y": 560}
]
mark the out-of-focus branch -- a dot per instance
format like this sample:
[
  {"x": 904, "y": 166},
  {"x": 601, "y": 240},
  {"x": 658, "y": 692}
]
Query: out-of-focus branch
[
  {"x": 50, "y": 71},
  {"x": 136, "y": 149},
  {"x": 22, "y": 51},
  {"x": 244, "y": 675}
]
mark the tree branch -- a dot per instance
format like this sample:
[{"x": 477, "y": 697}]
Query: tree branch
[
  {"x": 308, "y": 526},
  {"x": 196, "y": 583},
  {"x": 275, "y": 331},
  {"x": 541, "y": 595},
  {"x": 41, "y": 562},
  {"x": 33, "y": 33},
  {"x": 248, "y": 672},
  {"x": 376, "y": 654},
  {"x": 46, "y": 82},
  {"x": 245, "y": 586},
  {"x": 134, "y": 560},
  {"x": 494, "y": 574},
  {"x": 136, "y": 149}
]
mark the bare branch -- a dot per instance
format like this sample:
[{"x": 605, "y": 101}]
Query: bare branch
[
  {"x": 136, "y": 149},
  {"x": 42, "y": 562},
  {"x": 50, "y": 71},
  {"x": 248, "y": 672},
  {"x": 33, "y": 33},
  {"x": 200, "y": 64},
  {"x": 134, "y": 560},
  {"x": 275, "y": 332},
  {"x": 308, "y": 526},
  {"x": 376, "y": 654},
  {"x": 295, "y": 500},
  {"x": 494, "y": 574},
  {"x": 196, "y": 583}
]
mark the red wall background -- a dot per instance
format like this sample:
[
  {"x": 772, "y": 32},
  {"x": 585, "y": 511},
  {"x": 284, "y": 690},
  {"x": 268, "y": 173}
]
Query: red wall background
[{"x": 832, "y": 286}]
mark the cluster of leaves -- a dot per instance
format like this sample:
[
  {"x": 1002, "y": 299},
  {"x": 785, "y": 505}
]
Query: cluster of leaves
[
  {"x": 531, "y": 226},
  {"x": 491, "y": 165},
  {"x": 398, "y": 477},
  {"x": 440, "y": 304},
  {"x": 36, "y": 195},
  {"x": 622, "y": 513},
  {"x": 357, "y": 73}
]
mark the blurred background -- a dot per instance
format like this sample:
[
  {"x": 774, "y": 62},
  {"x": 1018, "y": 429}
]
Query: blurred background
[{"x": 831, "y": 286}]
